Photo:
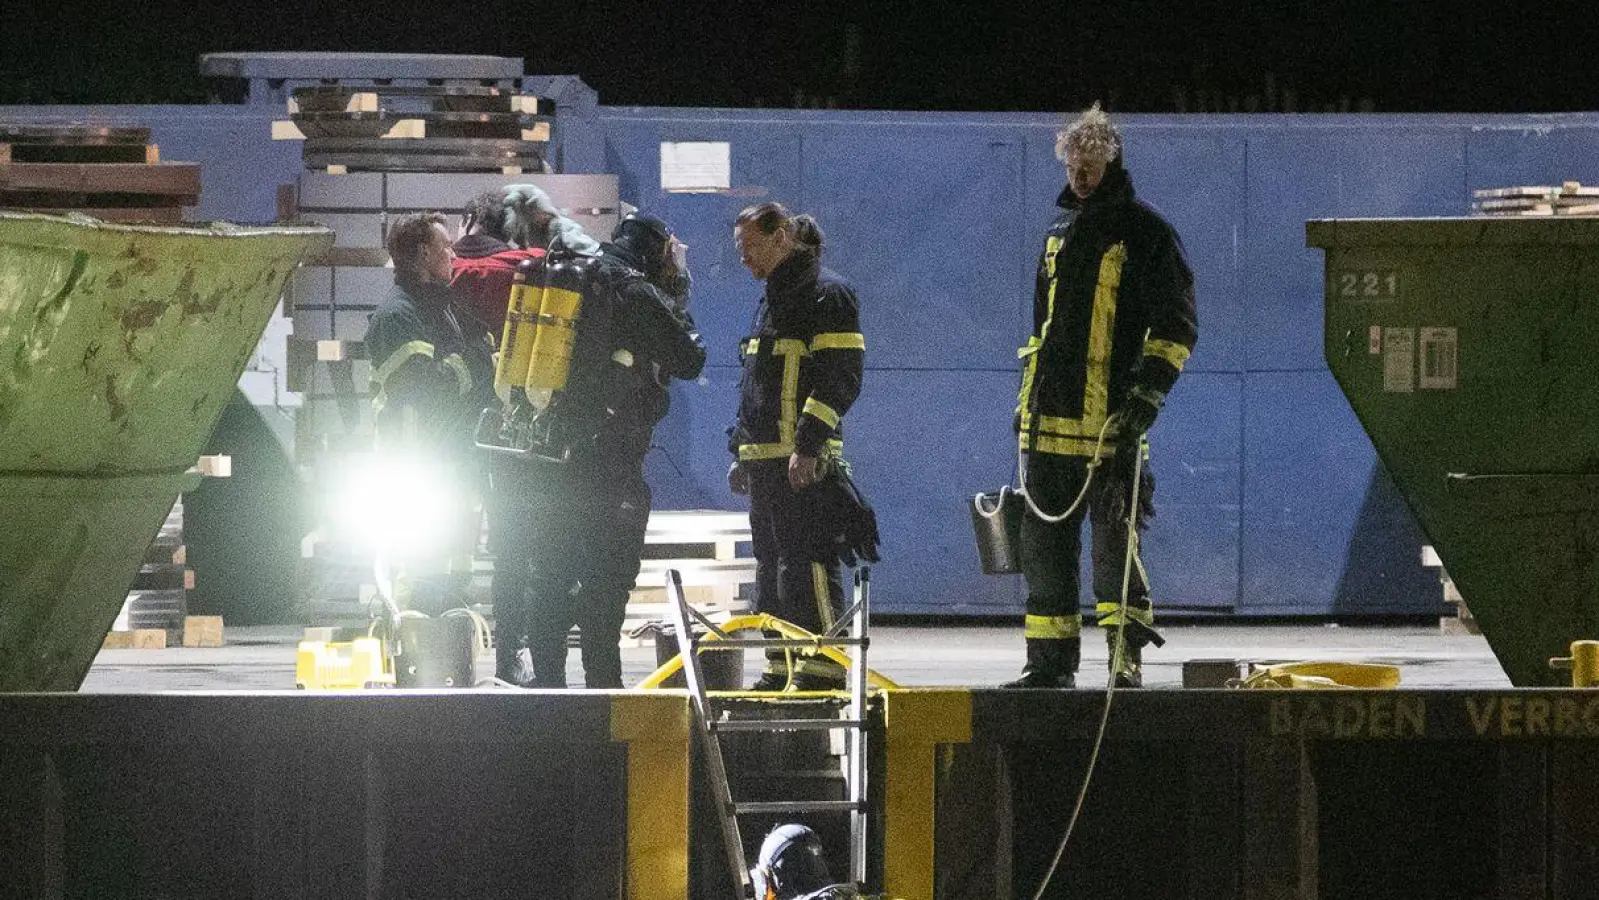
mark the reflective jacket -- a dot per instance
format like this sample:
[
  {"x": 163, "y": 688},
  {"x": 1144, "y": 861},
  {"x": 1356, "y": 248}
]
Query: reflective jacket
[
  {"x": 802, "y": 365},
  {"x": 1113, "y": 307},
  {"x": 430, "y": 379},
  {"x": 480, "y": 283}
]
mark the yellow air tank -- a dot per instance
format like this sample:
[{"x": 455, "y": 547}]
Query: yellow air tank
[
  {"x": 560, "y": 305},
  {"x": 521, "y": 327}
]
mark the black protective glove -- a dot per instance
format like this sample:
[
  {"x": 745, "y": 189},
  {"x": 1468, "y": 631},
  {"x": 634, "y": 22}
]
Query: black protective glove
[{"x": 1138, "y": 413}]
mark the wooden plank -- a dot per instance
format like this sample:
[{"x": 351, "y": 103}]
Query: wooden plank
[
  {"x": 202, "y": 631},
  {"x": 103, "y": 178},
  {"x": 137, "y": 639}
]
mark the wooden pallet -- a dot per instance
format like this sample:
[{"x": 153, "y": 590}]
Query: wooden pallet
[
  {"x": 112, "y": 174},
  {"x": 1570, "y": 198},
  {"x": 1462, "y": 622}
]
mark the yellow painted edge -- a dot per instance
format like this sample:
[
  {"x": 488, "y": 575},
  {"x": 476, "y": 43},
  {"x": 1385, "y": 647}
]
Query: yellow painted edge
[
  {"x": 655, "y": 727},
  {"x": 916, "y": 723}
]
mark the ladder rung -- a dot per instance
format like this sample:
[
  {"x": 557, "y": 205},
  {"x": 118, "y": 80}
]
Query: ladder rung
[
  {"x": 798, "y": 806},
  {"x": 787, "y": 724}
]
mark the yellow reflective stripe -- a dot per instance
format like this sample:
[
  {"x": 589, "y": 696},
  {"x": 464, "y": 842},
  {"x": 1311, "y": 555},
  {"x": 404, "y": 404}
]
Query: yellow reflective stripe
[
  {"x": 1062, "y": 427},
  {"x": 815, "y": 665},
  {"x": 399, "y": 358},
  {"x": 824, "y": 604},
  {"x": 1053, "y": 627},
  {"x": 752, "y": 346},
  {"x": 1170, "y": 351},
  {"x": 792, "y": 352},
  {"x": 1066, "y": 446},
  {"x": 1110, "y": 614},
  {"x": 748, "y": 452},
  {"x": 820, "y": 410},
  {"x": 463, "y": 376},
  {"x": 1096, "y": 395},
  {"x": 839, "y": 340}
]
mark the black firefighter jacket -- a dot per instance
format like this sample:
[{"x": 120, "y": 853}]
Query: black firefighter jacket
[
  {"x": 430, "y": 379},
  {"x": 1113, "y": 307},
  {"x": 802, "y": 365}
]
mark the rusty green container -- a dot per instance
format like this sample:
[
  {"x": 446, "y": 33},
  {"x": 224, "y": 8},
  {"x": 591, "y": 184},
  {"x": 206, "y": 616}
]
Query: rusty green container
[
  {"x": 1468, "y": 350},
  {"x": 119, "y": 346}
]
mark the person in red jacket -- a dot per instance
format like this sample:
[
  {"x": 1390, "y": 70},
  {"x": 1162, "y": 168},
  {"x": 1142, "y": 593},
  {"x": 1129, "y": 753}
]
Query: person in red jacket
[{"x": 485, "y": 263}]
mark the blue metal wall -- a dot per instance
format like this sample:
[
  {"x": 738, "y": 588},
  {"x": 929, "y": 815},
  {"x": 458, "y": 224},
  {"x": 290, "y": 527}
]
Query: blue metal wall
[
  {"x": 1270, "y": 498},
  {"x": 1271, "y": 501}
]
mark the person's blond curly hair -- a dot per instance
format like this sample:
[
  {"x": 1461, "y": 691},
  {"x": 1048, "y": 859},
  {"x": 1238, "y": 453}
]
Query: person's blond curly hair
[{"x": 1093, "y": 134}]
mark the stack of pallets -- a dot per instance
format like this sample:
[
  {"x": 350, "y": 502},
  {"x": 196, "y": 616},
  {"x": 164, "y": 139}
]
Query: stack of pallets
[
  {"x": 420, "y": 129},
  {"x": 114, "y": 174},
  {"x": 1567, "y": 199}
]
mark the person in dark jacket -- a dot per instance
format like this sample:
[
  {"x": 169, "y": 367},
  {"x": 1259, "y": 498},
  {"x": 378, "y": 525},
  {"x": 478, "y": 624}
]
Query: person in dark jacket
[
  {"x": 1113, "y": 324},
  {"x": 792, "y": 866},
  {"x": 803, "y": 364},
  {"x": 430, "y": 378},
  {"x": 583, "y": 524}
]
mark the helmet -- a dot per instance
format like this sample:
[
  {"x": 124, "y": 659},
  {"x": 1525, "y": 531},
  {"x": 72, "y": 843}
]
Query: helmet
[
  {"x": 790, "y": 864},
  {"x": 645, "y": 237}
]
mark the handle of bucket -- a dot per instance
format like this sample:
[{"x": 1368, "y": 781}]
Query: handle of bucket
[{"x": 999, "y": 504}]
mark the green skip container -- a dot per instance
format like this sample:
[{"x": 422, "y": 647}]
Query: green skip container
[
  {"x": 119, "y": 347},
  {"x": 1469, "y": 349}
]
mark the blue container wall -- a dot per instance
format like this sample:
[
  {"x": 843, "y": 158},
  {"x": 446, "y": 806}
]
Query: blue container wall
[{"x": 1271, "y": 500}]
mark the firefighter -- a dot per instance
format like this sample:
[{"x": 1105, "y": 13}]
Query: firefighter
[
  {"x": 791, "y": 867},
  {"x": 583, "y": 520},
  {"x": 802, "y": 371},
  {"x": 1113, "y": 324},
  {"x": 430, "y": 378}
]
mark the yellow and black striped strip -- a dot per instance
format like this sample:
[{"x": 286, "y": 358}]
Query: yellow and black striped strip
[
  {"x": 1053, "y": 627},
  {"x": 1170, "y": 351},
  {"x": 838, "y": 340}
]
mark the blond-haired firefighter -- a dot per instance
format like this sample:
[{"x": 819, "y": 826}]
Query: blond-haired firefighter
[{"x": 1113, "y": 324}]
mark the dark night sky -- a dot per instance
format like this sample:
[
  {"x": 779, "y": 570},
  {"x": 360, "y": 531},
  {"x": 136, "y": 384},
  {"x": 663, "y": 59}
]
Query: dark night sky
[{"x": 1145, "y": 55}]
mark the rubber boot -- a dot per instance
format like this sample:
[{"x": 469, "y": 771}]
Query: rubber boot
[
  {"x": 512, "y": 663},
  {"x": 1130, "y": 671},
  {"x": 1051, "y": 663}
]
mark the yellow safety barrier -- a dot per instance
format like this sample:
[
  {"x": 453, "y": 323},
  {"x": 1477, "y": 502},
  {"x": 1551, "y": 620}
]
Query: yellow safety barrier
[
  {"x": 763, "y": 622},
  {"x": 330, "y": 666},
  {"x": 1323, "y": 675},
  {"x": 1583, "y": 663}
]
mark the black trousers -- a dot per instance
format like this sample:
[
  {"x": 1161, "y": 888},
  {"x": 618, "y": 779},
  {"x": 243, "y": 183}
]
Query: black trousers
[
  {"x": 798, "y": 576},
  {"x": 1051, "y": 554},
  {"x": 567, "y": 542}
]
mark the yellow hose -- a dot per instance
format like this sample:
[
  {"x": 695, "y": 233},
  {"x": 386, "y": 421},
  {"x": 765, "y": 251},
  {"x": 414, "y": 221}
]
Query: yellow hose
[{"x": 762, "y": 622}]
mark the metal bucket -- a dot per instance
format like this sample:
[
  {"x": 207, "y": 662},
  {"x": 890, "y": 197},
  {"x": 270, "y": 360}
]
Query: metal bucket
[
  {"x": 723, "y": 669},
  {"x": 997, "y": 522}
]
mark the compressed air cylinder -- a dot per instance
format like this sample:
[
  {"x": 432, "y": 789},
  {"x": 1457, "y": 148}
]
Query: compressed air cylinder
[
  {"x": 560, "y": 305},
  {"x": 521, "y": 327}
]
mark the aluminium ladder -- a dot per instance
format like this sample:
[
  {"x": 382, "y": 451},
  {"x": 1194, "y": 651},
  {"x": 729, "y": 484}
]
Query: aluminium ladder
[{"x": 711, "y": 725}]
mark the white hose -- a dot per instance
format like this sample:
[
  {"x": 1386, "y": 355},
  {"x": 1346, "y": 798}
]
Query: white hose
[{"x": 1021, "y": 491}]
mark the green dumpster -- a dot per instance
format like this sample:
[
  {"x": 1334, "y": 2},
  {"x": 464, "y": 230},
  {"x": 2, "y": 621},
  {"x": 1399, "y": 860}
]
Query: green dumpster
[
  {"x": 1467, "y": 348},
  {"x": 119, "y": 346}
]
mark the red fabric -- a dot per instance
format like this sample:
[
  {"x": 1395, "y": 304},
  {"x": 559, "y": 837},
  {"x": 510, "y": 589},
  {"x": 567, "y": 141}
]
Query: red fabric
[{"x": 481, "y": 286}]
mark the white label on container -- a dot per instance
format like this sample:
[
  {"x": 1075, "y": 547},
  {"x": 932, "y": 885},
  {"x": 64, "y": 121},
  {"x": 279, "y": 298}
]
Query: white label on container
[
  {"x": 1399, "y": 360},
  {"x": 1440, "y": 359},
  {"x": 692, "y": 167}
]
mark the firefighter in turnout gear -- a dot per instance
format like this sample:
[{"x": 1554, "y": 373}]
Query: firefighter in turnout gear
[
  {"x": 430, "y": 378},
  {"x": 803, "y": 363},
  {"x": 571, "y": 543},
  {"x": 1113, "y": 324}
]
